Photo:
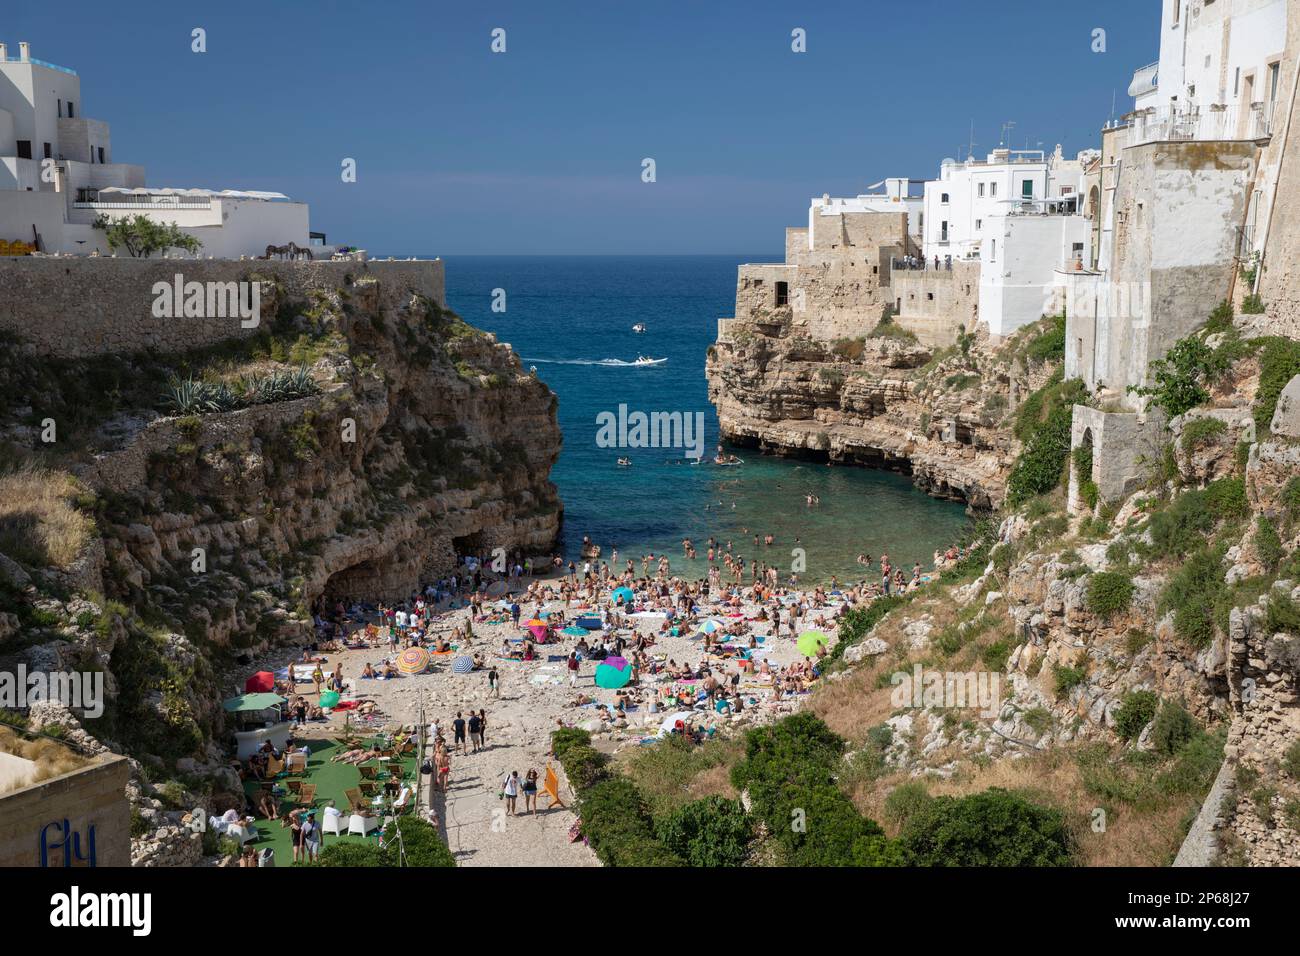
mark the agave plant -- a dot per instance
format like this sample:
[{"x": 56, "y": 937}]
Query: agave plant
[{"x": 193, "y": 396}]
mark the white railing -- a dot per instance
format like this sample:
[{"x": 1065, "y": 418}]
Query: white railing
[
  {"x": 1246, "y": 122},
  {"x": 138, "y": 204}
]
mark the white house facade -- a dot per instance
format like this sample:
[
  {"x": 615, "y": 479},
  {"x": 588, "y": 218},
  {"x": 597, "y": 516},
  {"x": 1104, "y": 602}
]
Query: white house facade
[{"x": 57, "y": 175}]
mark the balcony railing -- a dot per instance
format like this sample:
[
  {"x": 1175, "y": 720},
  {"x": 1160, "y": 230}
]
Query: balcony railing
[
  {"x": 1245, "y": 122},
  {"x": 145, "y": 204}
]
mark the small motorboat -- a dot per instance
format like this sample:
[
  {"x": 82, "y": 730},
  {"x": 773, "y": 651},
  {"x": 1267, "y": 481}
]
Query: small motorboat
[
  {"x": 642, "y": 360},
  {"x": 624, "y": 462},
  {"x": 639, "y": 327},
  {"x": 727, "y": 460}
]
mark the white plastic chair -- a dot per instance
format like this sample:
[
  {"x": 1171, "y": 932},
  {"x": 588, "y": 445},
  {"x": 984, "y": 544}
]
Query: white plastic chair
[
  {"x": 361, "y": 825},
  {"x": 332, "y": 822},
  {"x": 402, "y": 800}
]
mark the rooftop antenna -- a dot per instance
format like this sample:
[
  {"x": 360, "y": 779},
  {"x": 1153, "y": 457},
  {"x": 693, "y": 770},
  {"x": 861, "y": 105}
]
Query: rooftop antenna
[
  {"x": 970, "y": 149},
  {"x": 1007, "y": 127}
]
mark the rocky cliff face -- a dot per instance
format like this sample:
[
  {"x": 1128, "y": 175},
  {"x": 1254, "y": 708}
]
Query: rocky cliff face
[
  {"x": 939, "y": 415},
  {"x": 165, "y": 545}
]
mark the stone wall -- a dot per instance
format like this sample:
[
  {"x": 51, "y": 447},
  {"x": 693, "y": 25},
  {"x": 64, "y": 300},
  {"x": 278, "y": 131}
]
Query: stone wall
[
  {"x": 936, "y": 304},
  {"x": 72, "y": 307},
  {"x": 92, "y": 796},
  {"x": 1122, "y": 446}
]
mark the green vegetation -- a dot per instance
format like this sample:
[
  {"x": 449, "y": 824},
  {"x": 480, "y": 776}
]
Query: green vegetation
[
  {"x": 712, "y": 832},
  {"x": 1066, "y": 678},
  {"x": 1182, "y": 377},
  {"x": 1049, "y": 344},
  {"x": 1252, "y": 305},
  {"x": 1268, "y": 544},
  {"x": 1043, "y": 424},
  {"x": 1279, "y": 362},
  {"x": 1088, "y": 490},
  {"x": 141, "y": 236},
  {"x": 191, "y": 396},
  {"x": 420, "y": 846},
  {"x": 1193, "y": 593},
  {"x": 1135, "y": 711},
  {"x": 993, "y": 828},
  {"x": 1109, "y": 592},
  {"x": 1199, "y": 431}
]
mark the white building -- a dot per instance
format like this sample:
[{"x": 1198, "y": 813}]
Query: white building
[
  {"x": 1219, "y": 72},
  {"x": 889, "y": 195},
  {"x": 57, "y": 175}
]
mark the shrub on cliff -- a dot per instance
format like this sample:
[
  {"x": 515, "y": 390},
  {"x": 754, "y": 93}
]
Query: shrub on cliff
[
  {"x": 1192, "y": 594},
  {"x": 584, "y": 765},
  {"x": 1044, "y": 426},
  {"x": 1279, "y": 362},
  {"x": 618, "y": 826},
  {"x": 1109, "y": 592},
  {"x": 710, "y": 832},
  {"x": 566, "y": 737},
  {"x": 1182, "y": 377},
  {"x": 993, "y": 828},
  {"x": 1134, "y": 712}
]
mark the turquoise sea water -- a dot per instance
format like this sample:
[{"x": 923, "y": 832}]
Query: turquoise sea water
[{"x": 572, "y": 317}]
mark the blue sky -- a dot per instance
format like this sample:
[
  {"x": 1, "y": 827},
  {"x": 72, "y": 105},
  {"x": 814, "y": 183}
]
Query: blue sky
[{"x": 539, "y": 149}]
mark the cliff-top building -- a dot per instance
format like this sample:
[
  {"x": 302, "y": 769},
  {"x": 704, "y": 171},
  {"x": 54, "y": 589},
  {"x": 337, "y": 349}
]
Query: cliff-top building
[{"x": 57, "y": 175}]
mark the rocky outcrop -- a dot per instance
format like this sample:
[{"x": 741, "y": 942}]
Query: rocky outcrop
[
  {"x": 940, "y": 416},
  {"x": 216, "y": 533}
]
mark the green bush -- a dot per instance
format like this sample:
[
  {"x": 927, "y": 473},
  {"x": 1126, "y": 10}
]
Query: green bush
[
  {"x": 1181, "y": 377},
  {"x": 1174, "y": 729},
  {"x": 618, "y": 826},
  {"x": 857, "y": 623},
  {"x": 1226, "y": 498},
  {"x": 993, "y": 828},
  {"x": 1049, "y": 345},
  {"x": 713, "y": 832},
  {"x": 1200, "y": 430},
  {"x": 1279, "y": 362},
  {"x": 1192, "y": 594},
  {"x": 1135, "y": 711},
  {"x": 1252, "y": 305},
  {"x": 1065, "y": 679},
  {"x": 1083, "y": 476},
  {"x": 566, "y": 737},
  {"x": 1281, "y": 614},
  {"x": 419, "y": 846},
  {"x": 1044, "y": 426},
  {"x": 1109, "y": 592},
  {"x": 584, "y": 765},
  {"x": 1268, "y": 544},
  {"x": 905, "y": 802},
  {"x": 1291, "y": 761},
  {"x": 1182, "y": 527}
]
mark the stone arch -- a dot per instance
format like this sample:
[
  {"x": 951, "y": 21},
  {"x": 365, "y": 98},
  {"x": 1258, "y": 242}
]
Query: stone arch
[{"x": 1083, "y": 487}]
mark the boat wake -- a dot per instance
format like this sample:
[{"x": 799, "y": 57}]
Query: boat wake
[{"x": 609, "y": 362}]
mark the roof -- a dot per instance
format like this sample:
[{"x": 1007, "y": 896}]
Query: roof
[{"x": 246, "y": 702}]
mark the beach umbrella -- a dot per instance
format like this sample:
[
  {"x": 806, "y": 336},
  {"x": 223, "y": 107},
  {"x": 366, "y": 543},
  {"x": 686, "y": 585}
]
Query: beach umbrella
[
  {"x": 612, "y": 678},
  {"x": 623, "y": 594},
  {"x": 329, "y": 699},
  {"x": 413, "y": 660},
  {"x": 260, "y": 683},
  {"x": 708, "y": 627},
  {"x": 462, "y": 665},
  {"x": 535, "y": 622},
  {"x": 573, "y": 631},
  {"x": 619, "y": 662},
  {"x": 539, "y": 630},
  {"x": 669, "y": 723},
  {"x": 810, "y": 641}
]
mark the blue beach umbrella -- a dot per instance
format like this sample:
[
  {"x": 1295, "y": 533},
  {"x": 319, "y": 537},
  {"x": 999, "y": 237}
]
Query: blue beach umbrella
[{"x": 624, "y": 595}]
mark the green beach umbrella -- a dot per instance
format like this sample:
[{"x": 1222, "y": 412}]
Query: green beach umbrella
[
  {"x": 612, "y": 678},
  {"x": 329, "y": 699},
  {"x": 810, "y": 642}
]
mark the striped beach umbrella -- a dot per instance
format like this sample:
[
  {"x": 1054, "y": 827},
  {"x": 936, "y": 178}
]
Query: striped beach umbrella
[
  {"x": 413, "y": 660},
  {"x": 462, "y": 665}
]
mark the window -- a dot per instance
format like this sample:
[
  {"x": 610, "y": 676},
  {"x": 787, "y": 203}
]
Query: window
[
  {"x": 980, "y": 191},
  {"x": 993, "y": 189},
  {"x": 944, "y": 199},
  {"x": 24, "y": 149},
  {"x": 993, "y": 256},
  {"x": 943, "y": 231},
  {"x": 1236, "y": 82},
  {"x": 101, "y": 155},
  {"x": 929, "y": 296},
  {"x": 71, "y": 115},
  {"x": 87, "y": 194},
  {"x": 1027, "y": 188},
  {"x": 1178, "y": 12},
  {"x": 979, "y": 224},
  {"x": 1273, "y": 69},
  {"x": 60, "y": 109},
  {"x": 782, "y": 294},
  {"x": 46, "y": 147}
]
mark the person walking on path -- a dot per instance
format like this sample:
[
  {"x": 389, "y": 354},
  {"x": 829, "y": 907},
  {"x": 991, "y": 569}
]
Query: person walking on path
[
  {"x": 482, "y": 728},
  {"x": 494, "y": 682},
  {"x": 573, "y": 669},
  {"x": 474, "y": 725},
  {"x": 530, "y": 791},
  {"x": 510, "y": 790},
  {"x": 458, "y": 732}
]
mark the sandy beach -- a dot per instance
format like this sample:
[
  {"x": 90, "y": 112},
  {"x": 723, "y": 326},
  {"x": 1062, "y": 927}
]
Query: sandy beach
[{"x": 535, "y": 697}]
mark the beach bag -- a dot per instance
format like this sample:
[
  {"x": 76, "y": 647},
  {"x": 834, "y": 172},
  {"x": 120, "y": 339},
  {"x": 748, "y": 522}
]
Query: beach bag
[{"x": 426, "y": 768}]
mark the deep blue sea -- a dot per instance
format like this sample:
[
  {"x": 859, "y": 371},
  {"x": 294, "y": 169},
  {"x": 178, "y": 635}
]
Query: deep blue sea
[{"x": 572, "y": 317}]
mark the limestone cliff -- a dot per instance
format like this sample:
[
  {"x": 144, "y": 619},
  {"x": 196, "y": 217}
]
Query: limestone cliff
[
  {"x": 883, "y": 400},
  {"x": 158, "y": 546}
]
